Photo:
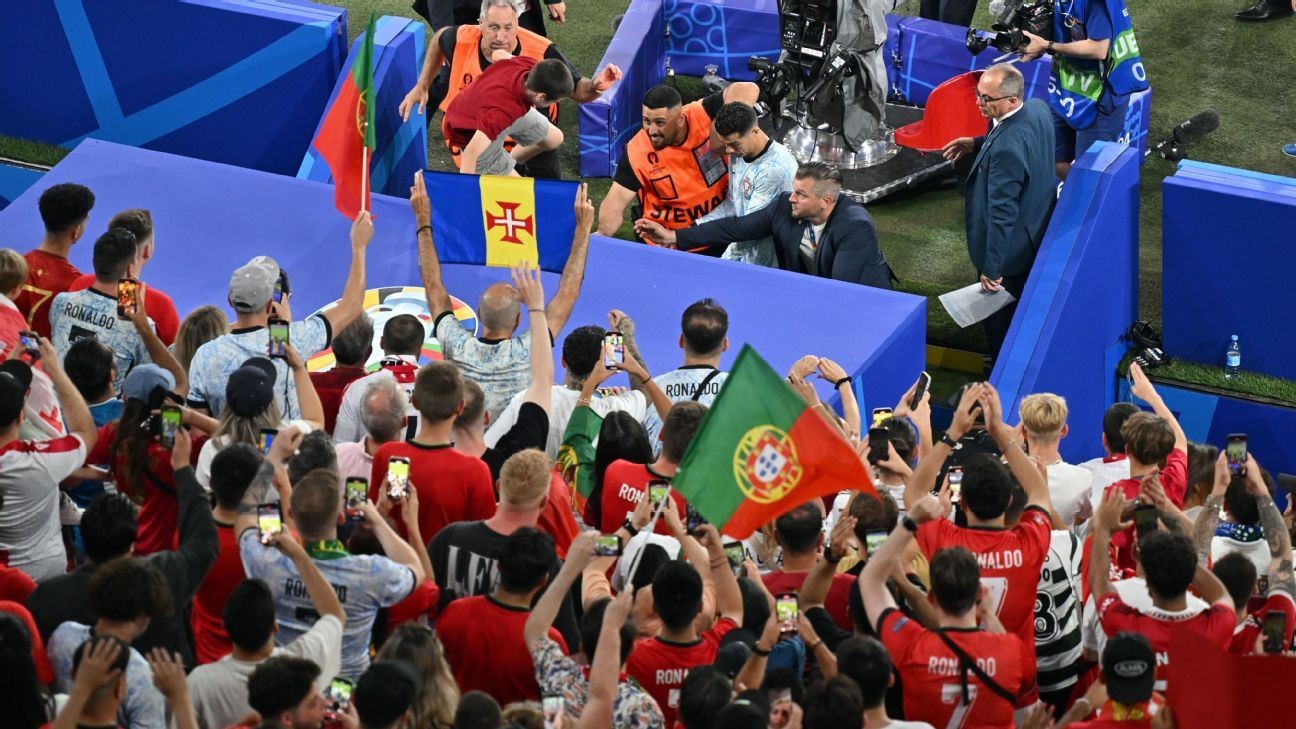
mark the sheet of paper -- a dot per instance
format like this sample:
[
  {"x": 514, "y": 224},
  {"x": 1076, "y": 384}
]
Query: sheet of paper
[{"x": 969, "y": 305}]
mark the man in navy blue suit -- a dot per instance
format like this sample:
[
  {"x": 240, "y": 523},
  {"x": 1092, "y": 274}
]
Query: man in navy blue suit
[{"x": 1010, "y": 191}]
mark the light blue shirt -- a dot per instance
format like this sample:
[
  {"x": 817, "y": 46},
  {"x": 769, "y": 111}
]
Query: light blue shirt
[
  {"x": 216, "y": 360},
  {"x": 502, "y": 369},
  {"x": 680, "y": 385},
  {"x": 144, "y": 706},
  {"x": 752, "y": 186},
  {"x": 89, "y": 313}
]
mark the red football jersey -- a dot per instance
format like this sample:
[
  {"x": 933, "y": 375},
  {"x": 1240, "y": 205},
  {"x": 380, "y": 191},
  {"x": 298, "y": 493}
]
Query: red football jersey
[
  {"x": 838, "y": 602},
  {"x": 1244, "y": 635},
  {"x": 451, "y": 486},
  {"x": 1174, "y": 480},
  {"x": 211, "y": 642},
  {"x": 1216, "y": 623},
  {"x": 485, "y": 645},
  {"x": 1010, "y": 561},
  {"x": 660, "y": 666},
  {"x": 1116, "y": 716},
  {"x": 933, "y": 680},
  {"x": 623, "y": 486},
  {"x": 48, "y": 275}
]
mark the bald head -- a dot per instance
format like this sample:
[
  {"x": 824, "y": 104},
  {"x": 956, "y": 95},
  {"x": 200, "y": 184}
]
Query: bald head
[
  {"x": 1000, "y": 89},
  {"x": 499, "y": 309}
]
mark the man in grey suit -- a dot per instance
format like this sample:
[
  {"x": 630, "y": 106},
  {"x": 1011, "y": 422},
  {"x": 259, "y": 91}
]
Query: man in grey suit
[{"x": 1010, "y": 191}]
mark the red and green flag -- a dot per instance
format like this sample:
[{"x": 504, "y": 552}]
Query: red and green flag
[
  {"x": 346, "y": 137},
  {"x": 760, "y": 452},
  {"x": 576, "y": 454}
]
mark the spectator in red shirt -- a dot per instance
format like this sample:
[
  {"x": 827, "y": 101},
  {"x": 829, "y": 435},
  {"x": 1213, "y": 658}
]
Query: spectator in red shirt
[
  {"x": 158, "y": 306},
  {"x": 624, "y": 482},
  {"x": 483, "y": 635},
  {"x": 1237, "y": 571},
  {"x": 1124, "y": 699},
  {"x": 971, "y": 655},
  {"x": 65, "y": 209},
  {"x": 452, "y": 486},
  {"x": 1170, "y": 565},
  {"x": 661, "y": 663},
  {"x": 233, "y": 470},
  {"x": 351, "y": 348},
  {"x": 800, "y": 533}
]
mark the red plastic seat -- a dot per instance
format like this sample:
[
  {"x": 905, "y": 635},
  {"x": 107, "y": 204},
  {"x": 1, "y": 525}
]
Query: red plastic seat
[{"x": 951, "y": 113}]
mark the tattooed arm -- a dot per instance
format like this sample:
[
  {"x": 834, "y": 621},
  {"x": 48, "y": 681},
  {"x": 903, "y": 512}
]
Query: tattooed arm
[
  {"x": 1280, "y": 548},
  {"x": 1208, "y": 518}
]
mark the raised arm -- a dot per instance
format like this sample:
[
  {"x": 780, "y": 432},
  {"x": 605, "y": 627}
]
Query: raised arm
[
  {"x": 728, "y": 595},
  {"x": 530, "y": 290},
  {"x": 551, "y": 600},
  {"x": 352, "y": 302},
  {"x": 818, "y": 582},
  {"x": 929, "y": 467},
  {"x": 169, "y": 679},
  {"x": 872, "y": 581},
  {"x": 569, "y": 285},
  {"x": 589, "y": 89},
  {"x": 836, "y": 374},
  {"x": 605, "y": 671},
  {"x": 157, "y": 349},
  {"x": 198, "y": 544},
  {"x": 410, "y": 516},
  {"x": 1208, "y": 518},
  {"x": 1106, "y": 521},
  {"x": 396, "y": 549},
  {"x": 1022, "y": 467},
  {"x": 1275, "y": 531},
  {"x": 418, "y": 95},
  {"x": 1142, "y": 388},
  {"x": 308, "y": 400},
  {"x": 75, "y": 411},
  {"x": 438, "y": 299},
  {"x": 919, "y": 416}
]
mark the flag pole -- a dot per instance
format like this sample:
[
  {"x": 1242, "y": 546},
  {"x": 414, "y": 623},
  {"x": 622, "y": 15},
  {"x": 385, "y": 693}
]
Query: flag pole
[{"x": 364, "y": 179}]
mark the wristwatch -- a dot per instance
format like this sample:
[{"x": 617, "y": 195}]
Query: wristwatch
[
  {"x": 1049, "y": 47},
  {"x": 910, "y": 524},
  {"x": 630, "y": 527},
  {"x": 947, "y": 440}
]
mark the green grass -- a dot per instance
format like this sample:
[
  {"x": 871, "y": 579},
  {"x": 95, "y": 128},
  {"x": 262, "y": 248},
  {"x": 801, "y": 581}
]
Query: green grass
[
  {"x": 1211, "y": 378},
  {"x": 1196, "y": 55}
]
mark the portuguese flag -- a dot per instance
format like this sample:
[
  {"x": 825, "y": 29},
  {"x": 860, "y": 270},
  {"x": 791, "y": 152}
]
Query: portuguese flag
[
  {"x": 761, "y": 452},
  {"x": 346, "y": 137}
]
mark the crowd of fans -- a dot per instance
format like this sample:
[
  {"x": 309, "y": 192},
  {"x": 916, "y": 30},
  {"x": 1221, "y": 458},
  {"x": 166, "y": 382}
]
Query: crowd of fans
[{"x": 397, "y": 548}]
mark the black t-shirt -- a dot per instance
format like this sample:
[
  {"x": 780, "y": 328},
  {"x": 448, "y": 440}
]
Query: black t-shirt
[
  {"x": 463, "y": 556},
  {"x": 625, "y": 176},
  {"x": 451, "y": 36},
  {"x": 530, "y": 431}
]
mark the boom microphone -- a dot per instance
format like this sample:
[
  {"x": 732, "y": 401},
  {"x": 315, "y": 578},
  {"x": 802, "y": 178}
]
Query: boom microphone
[{"x": 1193, "y": 130}]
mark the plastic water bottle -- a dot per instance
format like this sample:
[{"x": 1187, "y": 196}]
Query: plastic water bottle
[{"x": 1232, "y": 359}]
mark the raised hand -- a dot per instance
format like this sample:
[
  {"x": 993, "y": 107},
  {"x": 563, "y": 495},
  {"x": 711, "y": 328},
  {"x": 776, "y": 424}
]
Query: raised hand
[{"x": 530, "y": 288}]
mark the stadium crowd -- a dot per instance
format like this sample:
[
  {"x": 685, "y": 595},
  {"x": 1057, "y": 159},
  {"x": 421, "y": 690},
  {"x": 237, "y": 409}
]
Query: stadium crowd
[{"x": 199, "y": 531}]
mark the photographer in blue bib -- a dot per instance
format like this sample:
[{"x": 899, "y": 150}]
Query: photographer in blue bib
[{"x": 1096, "y": 67}]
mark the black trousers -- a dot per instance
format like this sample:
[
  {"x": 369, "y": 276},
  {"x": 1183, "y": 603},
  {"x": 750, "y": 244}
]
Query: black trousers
[
  {"x": 996, "y": 325},
  {"x": 954, "y": 12}
]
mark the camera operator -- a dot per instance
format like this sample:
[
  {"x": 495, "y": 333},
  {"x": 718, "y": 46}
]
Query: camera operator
[{"x": 1096, "y": 66}]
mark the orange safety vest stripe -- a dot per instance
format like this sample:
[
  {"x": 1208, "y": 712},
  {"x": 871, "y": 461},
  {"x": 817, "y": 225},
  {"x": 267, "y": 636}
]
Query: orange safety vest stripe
[{"x": 678, "y": 185}]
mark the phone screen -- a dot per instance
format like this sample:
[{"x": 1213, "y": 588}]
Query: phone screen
[
  {"x": 1275, "y": 631},
  {"x": 879, "y": 443},
  {"x": 397, "y": 477},
  {"x": 924, "y": 381},
  {"x": 357, "y": 492},
  {"x": 278, "y": 346},
  {"x": 608, "y": 545},
  {"x": 873, "y": 540},
  {"x": 269, "y": 521},
  {"x": 553, "y": 707},
  {"x": 880, "y": 414},
  {"x": 30, "y": 341},
  {"x": 1235, "y": 451},
  {"x": 613, "y": 350},
  {"x": 171, "y": 418},
  {"x": 735, "y": 554},
  {"x": 339, "y": 694},
  {"x": 267, "y": 439},
  {"x": 657, "y": 492},
  {"x": 786, "y": 609},
  {"x": 1145, "y": 519},
  {"x": 956, "y": 484},
  {"x": 126, "y": 291}
]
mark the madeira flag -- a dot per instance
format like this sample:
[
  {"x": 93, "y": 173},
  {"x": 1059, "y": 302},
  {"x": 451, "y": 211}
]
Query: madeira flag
[
  {"x": 346, "y": 136},
  {"x": 761, "y": 452},
  {"x": 501, "y": 221}
]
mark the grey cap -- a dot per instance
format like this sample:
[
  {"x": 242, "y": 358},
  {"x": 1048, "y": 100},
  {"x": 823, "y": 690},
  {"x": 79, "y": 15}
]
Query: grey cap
[
  {"x": 144, "y": 380},
  {"x": 252, "y": 285}
]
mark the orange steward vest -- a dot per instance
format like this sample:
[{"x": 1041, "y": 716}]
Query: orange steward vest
[{"x": 678, "y": 185}]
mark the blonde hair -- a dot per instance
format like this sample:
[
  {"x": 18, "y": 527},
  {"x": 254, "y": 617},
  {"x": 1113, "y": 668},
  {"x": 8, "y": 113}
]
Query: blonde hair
[
  {"x": 1043, "y": 415},
  {"x": 434, "y": 706},
  {"x": 13, "y": 271},
  {"x": 524, "y": 479},
  {"x": 198, "y": 328}
]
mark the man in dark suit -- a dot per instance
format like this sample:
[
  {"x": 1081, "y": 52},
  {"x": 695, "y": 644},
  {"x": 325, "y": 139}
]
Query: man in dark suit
[
  {"x": 1010, "y": 191},
  {"x": 815, "y": 229}
]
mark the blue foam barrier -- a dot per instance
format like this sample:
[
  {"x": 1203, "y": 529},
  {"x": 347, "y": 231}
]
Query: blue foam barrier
[
  {"x": 724, "y": 35},
  {"x": 211, "y": 218},
  {"x": 204, "y": 78},
  {"x": 1081, "y": 296},
  {"x": 402, "y": 146},
  {"x": 14, "y": 181}
]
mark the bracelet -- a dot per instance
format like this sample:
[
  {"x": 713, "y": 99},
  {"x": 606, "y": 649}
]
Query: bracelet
[
  {"x": 540, "y": 311},
  {"x": 842, "y": 381},
  {"x": 829, "y": 557},
  {"x": 630, "y": 527},
  {"x": 813, "y": 648},
  {"x": 910, "y": 524},
  {"x": 762, "y": 652},
  {"x": 583, "y": 402},
  {"x": 419, "y": 232},
  {"x": 1049, "y": 48}
]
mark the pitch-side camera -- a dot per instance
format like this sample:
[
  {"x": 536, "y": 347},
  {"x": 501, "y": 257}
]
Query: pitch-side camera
[{"x": 1008, "y": 34}]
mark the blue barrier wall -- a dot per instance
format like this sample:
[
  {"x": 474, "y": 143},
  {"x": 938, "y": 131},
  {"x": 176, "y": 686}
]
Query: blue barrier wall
[
  {"x": 1081, "y": 296},
  {"x": 14, "y": 181},
  {"x": 402, "y": 146},
  {"x": 723, "y": 35},
  {"x": 203, "y": 78},
  {"x": 1227, "y": 266},
  {"x": 202, "y": 238},
  {"x": 606, "y": 124}
]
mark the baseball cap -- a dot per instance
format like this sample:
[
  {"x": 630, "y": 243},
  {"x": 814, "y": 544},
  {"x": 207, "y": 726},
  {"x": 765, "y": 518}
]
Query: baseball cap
[
  {"x": 144, "y": 380},
  {"x": 1129, "y": 668},
  {"x": 15, "y": 379},
  {"x": 250, "y": 390},
  {"x": 741, "y": 714},
  {"x": 385, "y": 691},
  {"x": 252, "y": 285}
]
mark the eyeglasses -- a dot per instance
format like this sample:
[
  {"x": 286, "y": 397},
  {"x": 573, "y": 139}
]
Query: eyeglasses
[{"x": 987, "y": 99}]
